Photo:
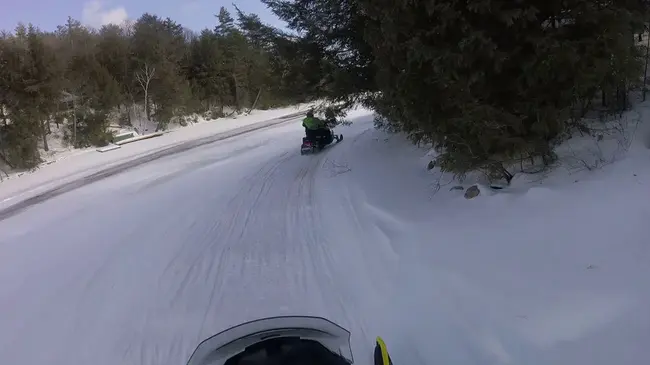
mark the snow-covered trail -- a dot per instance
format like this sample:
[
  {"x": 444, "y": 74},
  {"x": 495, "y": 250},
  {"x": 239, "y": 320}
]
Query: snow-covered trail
[
  {"x": 138, "y": 268},
  {"x": 141, "y": 266}
]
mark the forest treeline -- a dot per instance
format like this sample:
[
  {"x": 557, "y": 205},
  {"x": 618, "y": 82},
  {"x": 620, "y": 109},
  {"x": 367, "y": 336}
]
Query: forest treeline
[{"x": 83, "y": 79}]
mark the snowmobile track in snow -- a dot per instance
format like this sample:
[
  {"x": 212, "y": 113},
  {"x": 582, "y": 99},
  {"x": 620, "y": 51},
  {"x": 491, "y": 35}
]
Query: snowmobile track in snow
[{"x": 125, "y": 166}]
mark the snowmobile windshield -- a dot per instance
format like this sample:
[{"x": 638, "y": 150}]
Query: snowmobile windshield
[{"x": 290, "y": 340}]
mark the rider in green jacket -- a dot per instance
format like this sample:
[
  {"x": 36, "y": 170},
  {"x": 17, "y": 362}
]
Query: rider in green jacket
[
  {"x": 312, "y": 123},
  {"x": 315, "y": 126}
]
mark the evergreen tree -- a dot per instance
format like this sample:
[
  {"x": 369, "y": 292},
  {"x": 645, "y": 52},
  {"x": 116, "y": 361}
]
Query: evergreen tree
[{"x": 486, "y": 82}]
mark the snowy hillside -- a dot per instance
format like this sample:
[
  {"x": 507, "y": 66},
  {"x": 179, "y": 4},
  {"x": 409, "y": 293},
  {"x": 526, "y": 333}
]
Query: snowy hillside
[{"x": 139, "y": 267}]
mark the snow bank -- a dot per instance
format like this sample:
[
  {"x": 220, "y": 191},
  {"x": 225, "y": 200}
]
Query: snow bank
[
  {"x": 63, "y": 163},
  {"x": 553, "y": 270}
]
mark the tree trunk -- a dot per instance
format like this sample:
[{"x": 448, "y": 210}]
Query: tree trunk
[
  {"x": 146, "y": 103},
  {"x": 144, "y": 79},
  {"x": 74, "y": 121},
  {"x": 645, "y": 69},
  {"x": 236, "y": 92},
  {"x": 46, "y": 147},
  {"x": 257, "y": 98}
]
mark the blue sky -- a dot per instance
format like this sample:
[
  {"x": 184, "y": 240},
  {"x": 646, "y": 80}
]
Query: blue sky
[{"x": 193, "y": 14}]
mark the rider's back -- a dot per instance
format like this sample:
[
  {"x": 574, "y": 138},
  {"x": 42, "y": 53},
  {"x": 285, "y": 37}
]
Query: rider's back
[{"x": 312, "y": 123}]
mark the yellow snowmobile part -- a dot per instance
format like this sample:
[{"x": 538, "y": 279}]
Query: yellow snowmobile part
[{"x": 385, "y": 358}]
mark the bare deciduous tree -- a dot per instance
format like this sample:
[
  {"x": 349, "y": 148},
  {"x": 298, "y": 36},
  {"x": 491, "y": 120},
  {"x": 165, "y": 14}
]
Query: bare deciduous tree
[{"x": 144, "y": 77}]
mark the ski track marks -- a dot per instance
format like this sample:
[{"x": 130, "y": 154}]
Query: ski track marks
[
  {"x": 261, "y": 256},
  {"x": 187, "y": 246}
]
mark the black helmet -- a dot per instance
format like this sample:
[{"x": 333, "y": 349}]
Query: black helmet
[{"x": 310, "y": 114}]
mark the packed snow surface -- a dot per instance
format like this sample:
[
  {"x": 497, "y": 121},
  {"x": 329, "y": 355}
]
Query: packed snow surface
[
  {"x": 140, "y": 267},
  {"x": 66, "y": 163}
]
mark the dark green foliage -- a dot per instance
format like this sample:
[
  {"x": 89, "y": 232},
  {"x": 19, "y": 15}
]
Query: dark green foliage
[
  {"x": 19, "y": 143},
  {"x": 502, "y": 78},
  {"x": 91, "y": 129},
  {"x": 332, "y": 39},
  {"x": 29, "y": 92}
]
